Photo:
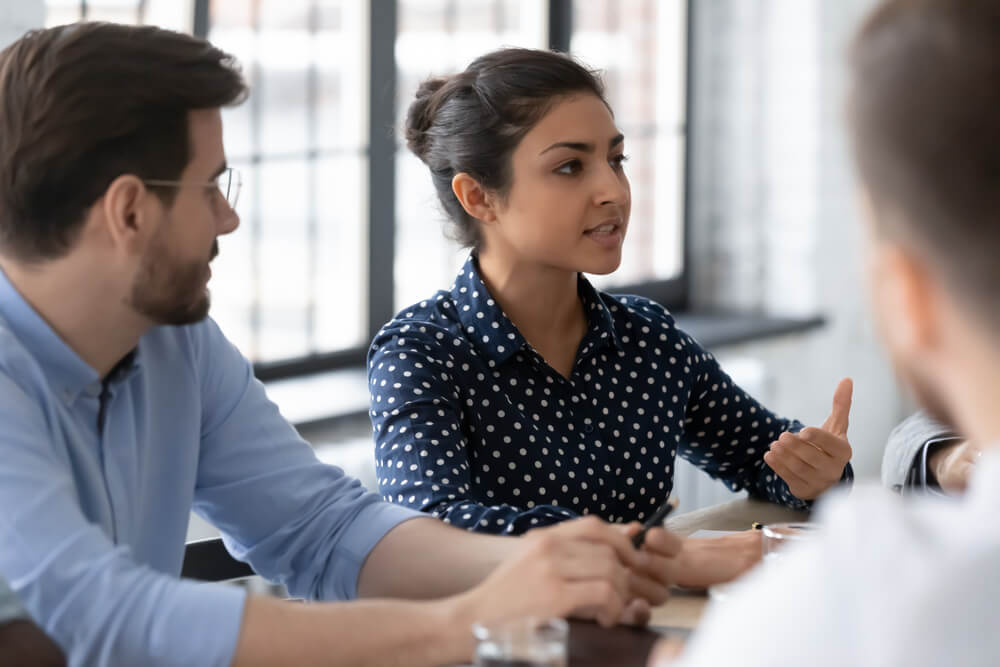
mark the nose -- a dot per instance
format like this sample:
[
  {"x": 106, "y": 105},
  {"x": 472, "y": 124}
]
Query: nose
[
  {"x": 612, "y": 187},
  {"x": 228, "y": 221}
]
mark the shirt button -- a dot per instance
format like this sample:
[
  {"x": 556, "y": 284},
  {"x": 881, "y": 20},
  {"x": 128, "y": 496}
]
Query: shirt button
[{"x": 588, "y": 428}]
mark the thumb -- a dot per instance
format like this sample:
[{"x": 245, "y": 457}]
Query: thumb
[{"x": 837, "y": 422}]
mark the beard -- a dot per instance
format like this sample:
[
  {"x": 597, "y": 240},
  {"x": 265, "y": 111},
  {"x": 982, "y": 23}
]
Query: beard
[{"x": 171, "y": 293}]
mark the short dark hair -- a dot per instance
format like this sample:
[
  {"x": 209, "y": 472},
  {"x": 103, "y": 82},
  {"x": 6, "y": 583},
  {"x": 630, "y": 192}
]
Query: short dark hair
[
  {"x": 82, "y": 104},
  {"x": 471, "y": 122},
  {"x": 925, "y": 121}
]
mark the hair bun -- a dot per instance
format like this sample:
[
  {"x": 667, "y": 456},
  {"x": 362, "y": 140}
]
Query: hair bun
[{"x": 421, "y": 114}]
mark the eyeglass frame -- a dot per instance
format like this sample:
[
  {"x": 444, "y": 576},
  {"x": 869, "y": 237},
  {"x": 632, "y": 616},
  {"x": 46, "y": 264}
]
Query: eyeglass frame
[{"x": 235, "y": 176}]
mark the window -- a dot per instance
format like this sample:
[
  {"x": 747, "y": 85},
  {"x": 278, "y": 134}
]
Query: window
[
  {"x": 165, "y": 13},
  {"x": 441, "y": 37},
  {"x": 641, "y": 45},
  {"x": 301, "y": 142},
  {"x": 340, "y": 223}
]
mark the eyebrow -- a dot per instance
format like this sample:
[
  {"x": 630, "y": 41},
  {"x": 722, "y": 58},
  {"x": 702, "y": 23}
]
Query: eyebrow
[{"x": 583, "y": 146}]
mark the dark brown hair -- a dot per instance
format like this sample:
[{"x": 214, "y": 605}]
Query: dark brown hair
[
  {"x": 472, "y": 121},
  {"x": 82, "y": 104},
  {"x": 925, "y": 120}
]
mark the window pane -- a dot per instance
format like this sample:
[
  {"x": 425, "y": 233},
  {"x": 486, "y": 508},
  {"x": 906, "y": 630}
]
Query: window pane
[
  {"x": 641, "y": 47},
  {"x": 339, "y": 290},
  {"x": 442, "y": 37},
  {"x": 293, "y": 279},
  {"x": 279, "y": 281},
  {"x": 283, "y": 267},
  {"x": 60, "y": 12},
  {"x": 164, "y": 13},
  {"x": 300, "y": 256}
]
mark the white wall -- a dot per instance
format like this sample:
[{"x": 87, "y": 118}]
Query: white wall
[
  {"x": 774, "y": 223},
  {"x": 18, "y": 16}
]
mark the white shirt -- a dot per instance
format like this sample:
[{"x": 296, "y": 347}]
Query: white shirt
[{"x": 886, "y": 582}]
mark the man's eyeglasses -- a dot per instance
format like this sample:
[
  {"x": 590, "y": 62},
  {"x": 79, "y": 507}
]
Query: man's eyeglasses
[{"x": 228, "y": 183}]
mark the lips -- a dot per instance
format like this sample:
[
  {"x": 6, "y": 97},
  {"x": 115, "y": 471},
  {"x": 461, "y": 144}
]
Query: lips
[
  {"x": 607, "y": 226},
  {"x": 604, "y": 229},
  {"x": 609, "y": 234}
]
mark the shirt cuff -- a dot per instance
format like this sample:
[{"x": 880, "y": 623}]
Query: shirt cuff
[
  {"x": 921, "y": 475},
  {"x": 847, "y": 479},
  {"x": 367, "y": 529},
  {"x": 197, "y": 623}
]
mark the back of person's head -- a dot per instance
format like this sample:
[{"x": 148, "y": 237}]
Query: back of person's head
[
  {"x": 471, "y": 122},
  {"x": 925, "y": 119},
  {"x": 82, "y": 104}
]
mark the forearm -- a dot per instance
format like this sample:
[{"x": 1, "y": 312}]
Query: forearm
[
  {"x": 425, "y": 558},
  {"x": 381, "y": 633}
]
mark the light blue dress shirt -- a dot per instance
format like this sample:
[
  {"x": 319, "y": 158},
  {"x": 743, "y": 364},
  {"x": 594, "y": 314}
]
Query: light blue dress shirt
[{"x": 93, "y": 521}]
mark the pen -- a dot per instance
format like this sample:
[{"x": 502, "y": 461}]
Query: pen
[{"x": 656, "y": 520}]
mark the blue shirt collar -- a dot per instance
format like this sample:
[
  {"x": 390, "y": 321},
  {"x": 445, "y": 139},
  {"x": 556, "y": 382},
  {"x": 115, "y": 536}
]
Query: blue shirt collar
[
  {"x": 600, "y": 321},
  {"x": 67, "y": 372},
  {"x": 497, "y": 337}
]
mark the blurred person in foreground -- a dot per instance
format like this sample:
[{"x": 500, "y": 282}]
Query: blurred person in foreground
[
  {"x": 123, "y": 406},
  {"x": 888, "y": 582}
]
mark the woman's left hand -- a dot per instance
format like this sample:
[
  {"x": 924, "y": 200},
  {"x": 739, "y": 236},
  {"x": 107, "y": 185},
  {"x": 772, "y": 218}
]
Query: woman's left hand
[
  {"x": 813, "y": 460},
  {"x": 706, "y": 561},
  {"x": 691, "y": 562}
]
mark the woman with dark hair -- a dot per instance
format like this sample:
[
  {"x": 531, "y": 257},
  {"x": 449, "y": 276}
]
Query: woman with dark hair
[{"x": 522, "y": 396}]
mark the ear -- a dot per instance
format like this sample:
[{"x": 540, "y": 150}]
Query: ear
[
  {"x": 476, "y": 200},
  {"x": 127, "y": 208},
  {"x": 906, "y": 300}
]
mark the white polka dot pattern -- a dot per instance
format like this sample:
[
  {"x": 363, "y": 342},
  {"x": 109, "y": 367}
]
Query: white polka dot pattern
[{"x": 473, "y": 426}]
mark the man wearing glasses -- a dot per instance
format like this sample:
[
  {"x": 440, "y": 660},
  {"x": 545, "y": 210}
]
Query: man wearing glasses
[{"x": 122, "y": 407}]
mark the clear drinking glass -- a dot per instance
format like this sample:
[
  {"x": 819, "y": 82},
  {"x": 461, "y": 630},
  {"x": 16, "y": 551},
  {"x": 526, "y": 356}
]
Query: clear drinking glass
[
  {"x": 778, "y": 536},
  {"x": 524, "y": 642}
]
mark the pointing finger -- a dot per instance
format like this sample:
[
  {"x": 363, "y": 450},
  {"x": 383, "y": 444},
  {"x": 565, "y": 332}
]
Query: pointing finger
[{"x": 837, "y": 422}]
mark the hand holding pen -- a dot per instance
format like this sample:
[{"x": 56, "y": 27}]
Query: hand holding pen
[
  {"x": 659, "y": 516},
  {"x": 657, "y": 555}
]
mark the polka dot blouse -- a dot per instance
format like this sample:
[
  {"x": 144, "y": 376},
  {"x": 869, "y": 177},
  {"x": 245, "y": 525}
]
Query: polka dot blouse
[{"x": 473, "y": 426}]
